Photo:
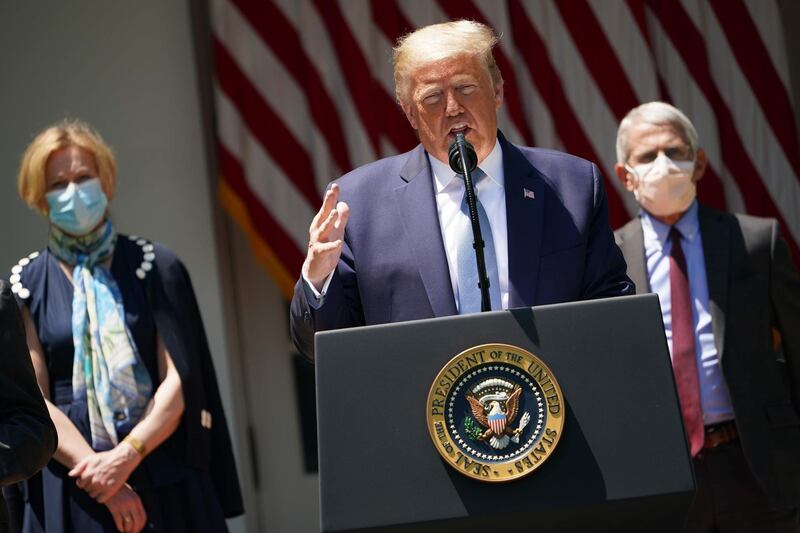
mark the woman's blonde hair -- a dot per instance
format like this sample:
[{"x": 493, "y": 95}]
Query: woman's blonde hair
[
  {"x": 31, "y": 181},
  {"x": 442, "y": 41}
]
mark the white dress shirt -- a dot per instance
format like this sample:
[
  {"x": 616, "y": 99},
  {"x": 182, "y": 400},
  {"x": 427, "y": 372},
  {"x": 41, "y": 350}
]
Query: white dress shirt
[{"x": 491, "y": 193}]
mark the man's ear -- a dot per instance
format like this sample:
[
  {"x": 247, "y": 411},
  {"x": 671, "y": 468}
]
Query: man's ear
[
  {"x": 700, "y": 164},
  {"x": 624, "y": 176},
  {"x": 411, "y": 114},
  {"x": 498, "y": 95}
]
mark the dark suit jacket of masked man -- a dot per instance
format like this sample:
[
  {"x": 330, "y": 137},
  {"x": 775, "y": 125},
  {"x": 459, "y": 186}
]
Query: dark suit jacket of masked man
[
  {"x": 394, "y": 267},
  {"x": 753, "y": 290}
]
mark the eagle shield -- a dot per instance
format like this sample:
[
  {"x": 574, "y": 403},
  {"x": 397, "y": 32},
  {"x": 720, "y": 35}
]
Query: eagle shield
[{"x": 497, "y": 422}]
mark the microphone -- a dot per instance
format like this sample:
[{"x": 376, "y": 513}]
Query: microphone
[
  {"x": 454, "y": 155},
  {"x": 463, "y": 160}
]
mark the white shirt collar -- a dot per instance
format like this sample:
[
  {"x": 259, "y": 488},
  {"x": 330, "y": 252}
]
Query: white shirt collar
[{"x": 492, "y": 166}]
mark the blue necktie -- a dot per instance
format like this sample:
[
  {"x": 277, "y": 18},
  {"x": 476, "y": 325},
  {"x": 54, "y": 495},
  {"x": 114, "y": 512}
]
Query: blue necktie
[{"x": 469, "y": 294}]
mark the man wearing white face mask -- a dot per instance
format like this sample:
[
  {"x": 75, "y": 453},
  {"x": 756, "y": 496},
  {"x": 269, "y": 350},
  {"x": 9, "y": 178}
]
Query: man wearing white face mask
[{"x": 730, "y": 300}]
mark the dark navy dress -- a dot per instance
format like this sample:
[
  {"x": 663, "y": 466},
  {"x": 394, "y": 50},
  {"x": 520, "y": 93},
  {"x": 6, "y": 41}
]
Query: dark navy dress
[{"x": 176, "y": 496}]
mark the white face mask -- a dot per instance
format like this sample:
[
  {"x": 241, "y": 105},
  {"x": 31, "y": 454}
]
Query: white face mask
[{"x": 664, "y": 187}]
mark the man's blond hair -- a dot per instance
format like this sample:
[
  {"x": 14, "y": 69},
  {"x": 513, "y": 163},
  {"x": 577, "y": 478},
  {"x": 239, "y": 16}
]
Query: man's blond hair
[{"x": 442, "y": 41}]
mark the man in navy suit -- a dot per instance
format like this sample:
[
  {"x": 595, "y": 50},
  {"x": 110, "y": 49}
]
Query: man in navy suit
[{"x": 391, "y": 240}]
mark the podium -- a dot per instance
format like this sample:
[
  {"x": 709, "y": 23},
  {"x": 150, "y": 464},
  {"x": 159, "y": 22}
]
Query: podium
[{"x": 622, "y": 463}]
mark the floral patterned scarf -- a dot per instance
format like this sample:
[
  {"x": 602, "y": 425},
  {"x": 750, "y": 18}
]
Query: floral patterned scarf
[{"x": 107, "y": 370}]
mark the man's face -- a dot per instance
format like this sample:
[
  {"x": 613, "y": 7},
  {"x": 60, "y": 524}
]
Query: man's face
[
  {"x": 452, "y": 95},
  {"x": 646, "y": 141}
]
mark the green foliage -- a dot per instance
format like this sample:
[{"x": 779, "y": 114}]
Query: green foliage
[{"x": 472, "y": 429}]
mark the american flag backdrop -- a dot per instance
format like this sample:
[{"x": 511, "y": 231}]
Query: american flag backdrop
[{"x": 304, "y": 92}]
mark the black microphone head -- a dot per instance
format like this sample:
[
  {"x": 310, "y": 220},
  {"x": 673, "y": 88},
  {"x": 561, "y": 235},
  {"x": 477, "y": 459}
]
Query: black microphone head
[{"x": 454, "y": 155}]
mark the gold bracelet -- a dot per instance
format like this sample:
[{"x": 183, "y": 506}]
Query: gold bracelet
[{"x": 136, "y": 444}]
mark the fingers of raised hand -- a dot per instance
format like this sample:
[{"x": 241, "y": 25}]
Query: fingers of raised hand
[
  {"x": 343, "y": 211},
  {"x": 328, "y": 203},
  {"x": 332, "y": 226},
  {"x": 326, "y": 237},
  {"x": 321, "y": 232}
]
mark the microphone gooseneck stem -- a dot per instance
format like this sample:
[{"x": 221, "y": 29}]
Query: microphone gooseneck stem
[{"x": 472, "y": 204}]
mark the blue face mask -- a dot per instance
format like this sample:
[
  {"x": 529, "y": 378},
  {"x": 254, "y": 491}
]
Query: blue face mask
[{"x": 79, "y": 208}]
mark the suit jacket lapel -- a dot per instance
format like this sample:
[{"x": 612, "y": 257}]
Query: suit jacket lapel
[
  {"x": 716, "y": 252},
  {"x": 416, "y": 202},
  {"x": 632, "y": 246},
  {"x": 525, "y": 223}
]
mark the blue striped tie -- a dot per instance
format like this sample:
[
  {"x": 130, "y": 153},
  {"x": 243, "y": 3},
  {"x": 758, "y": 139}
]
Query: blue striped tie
[{"x": 469, "y": 294}]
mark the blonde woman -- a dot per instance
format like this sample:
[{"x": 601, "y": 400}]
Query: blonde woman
[{"x": 121, "y": 357}]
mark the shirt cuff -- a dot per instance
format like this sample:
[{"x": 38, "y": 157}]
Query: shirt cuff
[{"x": 311, "y": 291}]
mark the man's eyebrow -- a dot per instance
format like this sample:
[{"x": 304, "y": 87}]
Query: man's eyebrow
[{"x": 426, "y": 87}]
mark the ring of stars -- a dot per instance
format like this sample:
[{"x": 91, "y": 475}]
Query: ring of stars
[{"x": 516, "y": 375}]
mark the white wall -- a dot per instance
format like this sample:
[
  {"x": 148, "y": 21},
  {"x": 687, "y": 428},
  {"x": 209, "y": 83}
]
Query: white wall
[
  {"x": 287, "y": 499},
  {"x": 128, "y": 69}
]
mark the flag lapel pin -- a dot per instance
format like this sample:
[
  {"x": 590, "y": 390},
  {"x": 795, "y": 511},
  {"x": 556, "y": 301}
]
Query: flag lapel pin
[{"x": 527, "y": 193}]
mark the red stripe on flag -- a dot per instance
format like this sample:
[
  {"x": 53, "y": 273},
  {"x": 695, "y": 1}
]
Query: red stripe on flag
[
  {"x": 599, "y": 57},
  {"x": 266, "y": 226},
  {"x": 602, "y": 62},
  {"x": 266, "y": 125},
  {"x": 396, "y": 127},
  {"x": 282, "y": 38},
  {"x": 460, "y": 9},
  {"x": 390, "y": 19},
  {"x": 369, "y": 97},
  {"x": 756, "y": 64},
  {"x": 689, "y": 43},
  {"x": 637, "y": 10},
  {"x": 544, "y": 76},
  {"x": 710, "y": 190}
]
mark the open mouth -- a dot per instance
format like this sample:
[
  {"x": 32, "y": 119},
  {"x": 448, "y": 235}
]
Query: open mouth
[{"x": 459, "y": 128}]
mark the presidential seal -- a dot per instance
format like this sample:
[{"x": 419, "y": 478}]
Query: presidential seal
[{"x": 495, "y": 412}]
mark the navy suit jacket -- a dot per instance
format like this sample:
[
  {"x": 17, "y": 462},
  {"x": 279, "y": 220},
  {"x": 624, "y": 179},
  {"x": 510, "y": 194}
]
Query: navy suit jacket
[{"x": 394, "y": 267}]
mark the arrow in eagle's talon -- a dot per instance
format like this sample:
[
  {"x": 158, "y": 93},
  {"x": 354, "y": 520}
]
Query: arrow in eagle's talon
[{"x": 522, "y": 423}]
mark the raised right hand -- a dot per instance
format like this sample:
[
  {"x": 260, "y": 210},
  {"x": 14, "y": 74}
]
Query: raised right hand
[
  {"x": 326, "y": 238},
  {"x": 127, "y": 510}
]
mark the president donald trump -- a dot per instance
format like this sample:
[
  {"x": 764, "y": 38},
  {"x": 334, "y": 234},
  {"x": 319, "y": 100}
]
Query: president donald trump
[{"x": 392, "y": 240}]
